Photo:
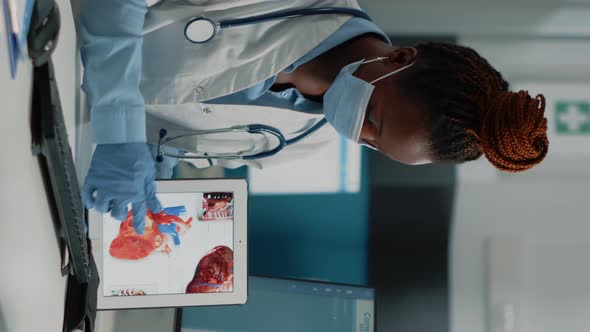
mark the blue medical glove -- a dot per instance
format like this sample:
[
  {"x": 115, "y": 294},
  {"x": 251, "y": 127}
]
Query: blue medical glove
[{"x": 120, "y": 174}]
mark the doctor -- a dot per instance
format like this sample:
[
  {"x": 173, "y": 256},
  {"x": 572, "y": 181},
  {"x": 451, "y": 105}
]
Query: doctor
[{"x": 434, "y": 102}]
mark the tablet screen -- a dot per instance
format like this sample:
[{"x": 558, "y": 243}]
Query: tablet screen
[{"x": 186, "y": 248}]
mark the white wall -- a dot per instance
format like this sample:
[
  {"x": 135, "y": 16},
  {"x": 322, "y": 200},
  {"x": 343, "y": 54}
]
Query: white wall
[
  {"x": 535, "y": 59},
  {"x": 549, "y": 218},
  {"x": 32, "y": 289},
  {"x": 482, "y": 17},
  {"x": 525, "y": 39}
]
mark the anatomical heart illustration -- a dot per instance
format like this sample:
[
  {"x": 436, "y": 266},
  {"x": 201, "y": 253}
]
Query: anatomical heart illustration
[
  {"x": 160, "y": 230},
  {"x": 214, "y": 273}
]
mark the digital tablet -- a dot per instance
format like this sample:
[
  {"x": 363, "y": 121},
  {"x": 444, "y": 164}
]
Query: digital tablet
[{"x": 192, "y": 253}]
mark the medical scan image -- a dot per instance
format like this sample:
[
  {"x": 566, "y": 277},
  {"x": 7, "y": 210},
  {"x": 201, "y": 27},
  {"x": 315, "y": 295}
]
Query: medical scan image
[
  {"x": 214, "y": 273},
  {"x": 217, "y": 206}
]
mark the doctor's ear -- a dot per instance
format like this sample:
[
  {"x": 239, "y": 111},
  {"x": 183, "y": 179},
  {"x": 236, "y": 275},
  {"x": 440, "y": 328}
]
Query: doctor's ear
[{"x": 402, "y": 56}]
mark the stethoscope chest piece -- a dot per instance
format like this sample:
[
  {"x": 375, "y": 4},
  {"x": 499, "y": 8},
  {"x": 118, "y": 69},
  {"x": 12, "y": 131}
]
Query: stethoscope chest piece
[{"x": 200, "y": 30}]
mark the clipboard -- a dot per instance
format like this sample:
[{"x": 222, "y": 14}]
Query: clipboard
[
  {"x": 11, "y": 37},
  {"x": 17, "y": 22}
]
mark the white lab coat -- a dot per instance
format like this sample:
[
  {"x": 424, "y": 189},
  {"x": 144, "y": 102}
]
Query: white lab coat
[{"x": 179, "y": 77}]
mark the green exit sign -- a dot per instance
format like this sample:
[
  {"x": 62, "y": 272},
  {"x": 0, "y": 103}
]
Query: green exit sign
[{"x": 572, "y": 117}]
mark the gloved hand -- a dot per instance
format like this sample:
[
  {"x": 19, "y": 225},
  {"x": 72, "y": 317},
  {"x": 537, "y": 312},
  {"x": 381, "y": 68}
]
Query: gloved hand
[{"x": 120, "y": 174}]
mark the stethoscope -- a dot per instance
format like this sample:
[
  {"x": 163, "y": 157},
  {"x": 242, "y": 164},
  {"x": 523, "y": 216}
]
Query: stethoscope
[
  {"x": 201, "y": 30},
  {"x": 254, "y": 129}
]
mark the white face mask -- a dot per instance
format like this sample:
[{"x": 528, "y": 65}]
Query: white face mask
[{"x": 345, "y": 102}]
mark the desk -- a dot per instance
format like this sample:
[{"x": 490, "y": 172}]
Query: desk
[{"x": 32, "y": 289}]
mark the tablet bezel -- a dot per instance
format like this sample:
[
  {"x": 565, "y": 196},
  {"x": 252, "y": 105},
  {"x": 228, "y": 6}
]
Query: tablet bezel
[{"x": 240, "y": 284}]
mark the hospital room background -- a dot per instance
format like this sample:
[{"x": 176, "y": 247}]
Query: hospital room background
[{"x": 446, "y": 248}]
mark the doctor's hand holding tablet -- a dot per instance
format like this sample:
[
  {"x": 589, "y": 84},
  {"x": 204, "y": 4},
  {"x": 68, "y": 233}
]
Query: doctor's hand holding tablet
[
  {"x": 431, "y": 103},
  {"x": 121, "y": 175}
]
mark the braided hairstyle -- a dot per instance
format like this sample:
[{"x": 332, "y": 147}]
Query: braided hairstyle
[{"x": 470, "y": 111}]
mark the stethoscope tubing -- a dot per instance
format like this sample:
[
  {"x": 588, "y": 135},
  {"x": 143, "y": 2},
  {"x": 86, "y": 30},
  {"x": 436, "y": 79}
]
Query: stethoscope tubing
[
  {"x": 291, "y": 14},
  {"x": 250, "y": 129},
  {"x": 255, "y": 128},
  {"x": 281, "y": 15}
]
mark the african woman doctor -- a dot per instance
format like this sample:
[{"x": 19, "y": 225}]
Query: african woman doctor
[{"x": 431, "y": 103}]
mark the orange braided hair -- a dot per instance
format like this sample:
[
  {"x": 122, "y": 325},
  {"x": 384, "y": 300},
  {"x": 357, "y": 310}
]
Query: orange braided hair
[
  {"x": 471, "y": 112},
  {"x": 513, "y": 130}
]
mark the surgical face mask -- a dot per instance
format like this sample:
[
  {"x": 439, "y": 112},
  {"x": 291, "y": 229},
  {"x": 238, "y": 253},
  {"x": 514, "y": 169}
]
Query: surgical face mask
[{"x": 345, "y": 102}]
